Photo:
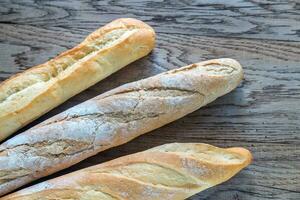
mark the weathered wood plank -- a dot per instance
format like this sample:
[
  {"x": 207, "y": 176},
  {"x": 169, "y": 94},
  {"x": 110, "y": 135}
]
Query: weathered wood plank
[{"x": 251, "y": 19}]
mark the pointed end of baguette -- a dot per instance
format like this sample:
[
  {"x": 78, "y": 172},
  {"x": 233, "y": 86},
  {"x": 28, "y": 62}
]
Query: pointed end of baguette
[
  {"x": 144, "y": 34},
  {"x": 227, "y": 74},
  {"x": 244, "y": 153},
  {"x": 222, "y": 67},
  {"x": 208, "y": 163}
]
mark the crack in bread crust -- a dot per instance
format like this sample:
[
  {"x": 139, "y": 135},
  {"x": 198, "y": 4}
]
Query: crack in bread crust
[
  {"x": 70, "y": 193},
  {"x": 64, "y": 62},
  {"x": 8, "y": 175},
  {"x": 47, "y": 149},
  {"x": 221, "y": 68},
  {"x": 125, "y": 117},
  {"x": 121, "y": 117},
  {"x": 161, "y": 92},
  {"x": 145, "y": 172},
  {"x": 51, "y": 149}
]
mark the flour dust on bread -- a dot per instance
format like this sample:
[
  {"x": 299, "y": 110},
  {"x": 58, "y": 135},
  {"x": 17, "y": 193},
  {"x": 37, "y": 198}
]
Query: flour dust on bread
[
  {"x": 171, "y": 172},
  {"x": 28, "y": 95},
  {"x": 112, "y": 119}
]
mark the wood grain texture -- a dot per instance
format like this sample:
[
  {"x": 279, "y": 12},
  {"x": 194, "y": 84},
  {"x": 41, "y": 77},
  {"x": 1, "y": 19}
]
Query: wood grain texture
[
  {"x": 245, "y": 18},
  {"x": 262, "y": 114}
]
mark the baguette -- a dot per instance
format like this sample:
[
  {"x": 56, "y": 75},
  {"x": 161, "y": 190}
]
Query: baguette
[
  {"x": 171, "y": 172},
  {"x": 112, "y": 119},
  {"x": 28, "y": 95}
]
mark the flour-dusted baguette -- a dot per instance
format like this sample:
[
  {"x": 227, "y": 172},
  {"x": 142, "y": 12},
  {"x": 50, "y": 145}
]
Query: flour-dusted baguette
[
  {"x": 113, "y": 118},
  {"x": 170, "y": 172},
  {"x": 28, "y": 95}
]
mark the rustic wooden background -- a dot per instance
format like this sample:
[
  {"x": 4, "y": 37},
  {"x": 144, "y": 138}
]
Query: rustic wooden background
[{"x": 262, "y": 114}]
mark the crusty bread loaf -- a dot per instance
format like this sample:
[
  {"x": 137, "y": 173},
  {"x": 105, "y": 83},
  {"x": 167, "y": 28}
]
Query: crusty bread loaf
[
  {"x": 170, "y": 172},
  {"x": 113, "y": 118},
  {"x": 28, "y": 95}
]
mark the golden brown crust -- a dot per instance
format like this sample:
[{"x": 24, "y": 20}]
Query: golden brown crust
[
  {"x": 172, "y": 171},
  {"x": 59, "y": 81}
]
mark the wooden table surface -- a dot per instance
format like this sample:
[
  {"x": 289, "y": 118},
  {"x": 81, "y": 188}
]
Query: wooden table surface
[{"x": 262, "y": 114}]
